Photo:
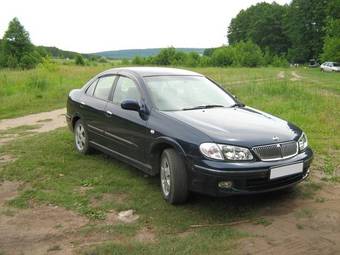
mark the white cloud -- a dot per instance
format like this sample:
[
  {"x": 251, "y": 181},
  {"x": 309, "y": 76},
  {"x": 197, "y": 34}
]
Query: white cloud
[{"x": 89, "y": 26}]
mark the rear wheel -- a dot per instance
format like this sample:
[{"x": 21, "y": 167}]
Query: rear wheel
[
  {"x": 81, "y": 138},
  {"x": 173, "y": 177}
]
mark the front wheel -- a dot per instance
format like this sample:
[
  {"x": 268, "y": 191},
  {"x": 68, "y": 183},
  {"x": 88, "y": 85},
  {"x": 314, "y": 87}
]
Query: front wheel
[{"x": 173, "y": 177}]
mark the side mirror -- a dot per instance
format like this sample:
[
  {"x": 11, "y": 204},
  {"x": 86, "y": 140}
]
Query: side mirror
[{"x": 130, "y": 104}]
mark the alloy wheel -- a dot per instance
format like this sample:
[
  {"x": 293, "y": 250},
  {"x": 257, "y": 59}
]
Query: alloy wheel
[
  {"x": 80, "y": 137},
  {"x": 165, "y": 176}
]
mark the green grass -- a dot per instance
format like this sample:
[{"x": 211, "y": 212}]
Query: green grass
[
  {"x": 56, "y": 174},
  {"x": 41, "y": 89}
]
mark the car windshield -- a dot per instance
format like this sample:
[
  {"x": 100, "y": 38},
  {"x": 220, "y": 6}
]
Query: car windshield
[
  {"x": 174, "y": 93},
  {"x": 336, "y": 64}
]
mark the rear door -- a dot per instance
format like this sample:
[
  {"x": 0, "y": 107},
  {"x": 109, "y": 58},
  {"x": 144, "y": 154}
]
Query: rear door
[
  {"x": 126, "y": 129},
  {"x": 93, "y": 105}
]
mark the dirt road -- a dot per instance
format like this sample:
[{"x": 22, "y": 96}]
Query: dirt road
[{"x": 30, "y": 124}]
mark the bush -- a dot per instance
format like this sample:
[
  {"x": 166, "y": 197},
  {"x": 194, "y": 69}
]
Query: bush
[
  {"x": 224, "y": 56},
  {"x": 165, "y": 57},
  {"x": 248, "y": 54},
  {"x": 137, "y": 60},
  {"x": 29, "y": 61},
  {"x": 102, "y": 60},
  {"x": 331, "y": 49},
  {"x": 80, "y": 60},
  {"x": 193, "y": 59},
  {"x": 279, "y": 61},
  {"x": 48, "y": 64},
  {"x": 11, "y": 62},
  {"x": 125, "y": 62},
  {"x": 205, "y": 61}
]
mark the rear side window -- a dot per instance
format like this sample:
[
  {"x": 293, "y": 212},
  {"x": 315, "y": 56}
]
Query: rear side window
[
  {"x": 103, "y": 87},
  {"x": 90, "y": 89},
  {"x": 125, "y": 89}
]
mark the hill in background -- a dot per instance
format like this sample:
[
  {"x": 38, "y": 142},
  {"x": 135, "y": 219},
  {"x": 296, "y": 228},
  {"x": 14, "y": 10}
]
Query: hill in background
[
  {"x": 128, "y": 54},
  {"x": 114, "y": 54},
  {"x": 58, "y": 53}
]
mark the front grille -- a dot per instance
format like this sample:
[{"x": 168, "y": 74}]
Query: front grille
[{"x": 276, "y": 151}]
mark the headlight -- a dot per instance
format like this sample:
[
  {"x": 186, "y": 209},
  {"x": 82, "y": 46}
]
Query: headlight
[
  {"x": 211, "y": 150},
  {"x": 222, "y": 151},
  {"x": 303, "y": 142},
  {"x": 235, "y": 153}
]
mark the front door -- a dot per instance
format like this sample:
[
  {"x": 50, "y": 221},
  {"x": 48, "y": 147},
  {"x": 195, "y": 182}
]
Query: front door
[{"x": 126, "y": 129}]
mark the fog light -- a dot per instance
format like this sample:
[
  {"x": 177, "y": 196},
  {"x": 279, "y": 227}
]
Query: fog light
[{"x": 225, "y": 184}]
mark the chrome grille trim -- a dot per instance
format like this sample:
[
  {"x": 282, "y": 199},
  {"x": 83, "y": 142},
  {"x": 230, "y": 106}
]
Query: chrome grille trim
[{"x": 276, "y": 151}]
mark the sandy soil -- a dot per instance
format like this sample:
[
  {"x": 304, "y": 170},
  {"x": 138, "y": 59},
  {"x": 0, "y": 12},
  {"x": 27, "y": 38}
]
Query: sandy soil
[
  {"x": 295, "y": 76},
  {"x": 40, "y": 122},
  {"x": 296, "y": 226},
  {"x": 49, "y": 229},
  {"x": 281, "y": 75}
]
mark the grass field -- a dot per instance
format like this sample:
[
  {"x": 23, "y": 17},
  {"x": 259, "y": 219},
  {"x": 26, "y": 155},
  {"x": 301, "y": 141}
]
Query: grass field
[{"x": 56, "y": 174}]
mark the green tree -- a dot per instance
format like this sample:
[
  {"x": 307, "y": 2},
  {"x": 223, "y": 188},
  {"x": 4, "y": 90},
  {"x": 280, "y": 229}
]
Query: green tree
[
  {"x": 248, "y": 54},
  {"x": 137, "y": 60},
  {"x": 80, "y": 60},
  {"x": 192, "y": 59},
  {"x": 16, "y": 45},
  {"x": 2, "y": 60},
  {"x": 224, "y": 56},
  {"x": 165, "y": 56},
  {"x": 304, "y": 25},
  {"x": 331, "y": 47},
  {"x": 239, "y": 54},
  {"x": 263, "y": 24}
]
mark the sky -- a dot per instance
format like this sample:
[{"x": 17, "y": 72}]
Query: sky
[{"x": 92, "y": 26}]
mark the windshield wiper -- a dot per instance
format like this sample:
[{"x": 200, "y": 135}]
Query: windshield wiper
[
  {"x": 203, "y": 107},
  {"x": 238, "y": 105}
]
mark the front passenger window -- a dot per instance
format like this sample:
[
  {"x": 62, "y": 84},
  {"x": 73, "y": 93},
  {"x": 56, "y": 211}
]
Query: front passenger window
[
  {"x": 103, "y": 87},
  {"x": 125, "y": 89}
]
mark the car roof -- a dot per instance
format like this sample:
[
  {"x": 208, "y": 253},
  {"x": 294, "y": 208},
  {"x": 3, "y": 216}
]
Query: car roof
[{"x": 152, "y": 71}]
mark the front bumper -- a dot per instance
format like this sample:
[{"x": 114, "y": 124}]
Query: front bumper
[{"x": 246, "y": 177}]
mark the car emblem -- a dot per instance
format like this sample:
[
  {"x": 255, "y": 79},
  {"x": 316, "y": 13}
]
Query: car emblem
[{"x": 276, "y": 138}]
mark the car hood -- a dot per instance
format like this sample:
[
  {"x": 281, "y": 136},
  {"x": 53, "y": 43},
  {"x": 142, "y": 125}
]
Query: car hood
[{"x": 244, "y": 126}]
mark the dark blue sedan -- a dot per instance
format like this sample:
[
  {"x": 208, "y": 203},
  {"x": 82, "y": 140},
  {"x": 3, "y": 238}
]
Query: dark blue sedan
[{"x": 189, "y": 130}]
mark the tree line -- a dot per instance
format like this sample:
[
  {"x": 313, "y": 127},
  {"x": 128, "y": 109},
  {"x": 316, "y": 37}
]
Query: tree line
[
  {"x": 270, "y": 34},
  {"x": 262, "y": 35},
  {"x": 246, "y": 54},
  {"x": 17, "y": 51},
  {"x": 299, "y": 31}
]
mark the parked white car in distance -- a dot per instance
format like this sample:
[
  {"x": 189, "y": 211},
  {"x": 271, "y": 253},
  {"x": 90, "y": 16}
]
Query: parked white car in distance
[{"x": 330, "y": 67}]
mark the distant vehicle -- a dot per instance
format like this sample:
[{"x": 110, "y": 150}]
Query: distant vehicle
[
  {"x": 313, "y": 63},
  {"x": 189, "y": 130},
  {"x": 330, "y": 67}
]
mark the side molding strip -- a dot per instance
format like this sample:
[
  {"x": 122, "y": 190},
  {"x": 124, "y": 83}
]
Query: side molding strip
[{"x": 122, "y": 155}]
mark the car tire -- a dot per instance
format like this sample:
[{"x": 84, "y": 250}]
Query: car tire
[
  {"x": 81, "y": 139},
  {"x": 173, "y": 177}
]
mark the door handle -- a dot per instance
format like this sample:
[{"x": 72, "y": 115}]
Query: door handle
[{"x": 108, "y": 113}]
